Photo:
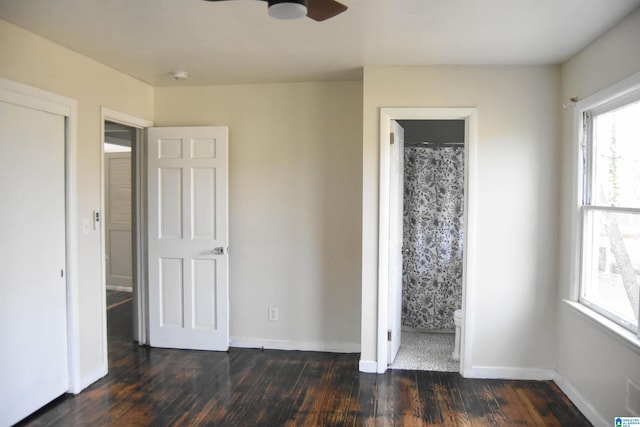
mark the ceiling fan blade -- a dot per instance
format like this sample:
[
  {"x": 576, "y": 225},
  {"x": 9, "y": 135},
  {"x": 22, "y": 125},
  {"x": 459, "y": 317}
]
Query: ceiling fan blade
[{"x": 321, "y": 10}]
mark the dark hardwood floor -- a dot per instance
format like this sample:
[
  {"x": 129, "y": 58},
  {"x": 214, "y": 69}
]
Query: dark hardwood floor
[{"x": 245, "y": 387}]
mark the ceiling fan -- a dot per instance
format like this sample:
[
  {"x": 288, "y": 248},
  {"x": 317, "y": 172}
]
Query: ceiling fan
[{"x": 318, "y": 10}]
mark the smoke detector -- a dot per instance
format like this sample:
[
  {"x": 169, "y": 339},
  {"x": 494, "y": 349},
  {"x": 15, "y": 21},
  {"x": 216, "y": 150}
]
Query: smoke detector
[{"x": 179, "y": 74}]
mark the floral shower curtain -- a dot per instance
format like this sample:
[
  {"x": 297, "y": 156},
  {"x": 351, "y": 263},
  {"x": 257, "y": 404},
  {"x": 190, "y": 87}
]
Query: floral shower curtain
[{"x": 433, "y": 236}]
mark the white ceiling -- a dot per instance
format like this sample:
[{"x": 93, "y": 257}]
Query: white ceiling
[{"x": 237, "y": 42}]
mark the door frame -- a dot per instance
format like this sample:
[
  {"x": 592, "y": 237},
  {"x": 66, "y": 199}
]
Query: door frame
[
  {"x": 470, "y": 116},
  {"x": 138, "y": 176},
  {"x": 32, "y": 97}
]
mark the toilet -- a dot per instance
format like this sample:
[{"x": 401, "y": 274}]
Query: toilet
[{"x": 457, "y": 319}]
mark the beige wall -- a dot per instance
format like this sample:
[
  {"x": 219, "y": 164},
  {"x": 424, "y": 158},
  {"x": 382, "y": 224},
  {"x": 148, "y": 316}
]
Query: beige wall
[
  {"x": 295, "y": 201},
  {"x": 295, "y": 181},
  {"x": 593, "y": 363},
  {"x": 516, "y": 175},
  {"x": 32, "y": 60}
]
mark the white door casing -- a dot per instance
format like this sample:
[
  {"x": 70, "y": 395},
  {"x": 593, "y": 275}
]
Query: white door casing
[
  {"x": 33, "y": 294},
  {"x": 138, "y": 226},
  {"x": 396, "y": 211},
  {"x": 188, "y": 237},
  {"x": 387, "y": 115},
  {"x": 118, "y": 215}
]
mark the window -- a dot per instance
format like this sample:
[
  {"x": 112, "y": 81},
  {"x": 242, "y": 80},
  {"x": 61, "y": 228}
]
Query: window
[{"x": 610, "y": 210}]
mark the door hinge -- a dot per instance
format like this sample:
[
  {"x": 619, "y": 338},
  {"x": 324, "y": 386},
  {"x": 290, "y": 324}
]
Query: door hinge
[
  {"x": 389, "y": 335},
  {"x": 61, "y": 273},
  {"x": 391, "y": 138}
]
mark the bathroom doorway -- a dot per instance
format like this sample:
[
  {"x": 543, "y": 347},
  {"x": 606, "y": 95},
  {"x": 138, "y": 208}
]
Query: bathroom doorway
[
  {"x": 432, "y": 243},
  {"x": 389, "y": 330}
]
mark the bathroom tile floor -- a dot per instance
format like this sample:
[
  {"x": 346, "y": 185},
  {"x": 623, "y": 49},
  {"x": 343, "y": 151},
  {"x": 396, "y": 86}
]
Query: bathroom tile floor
[{"x": 426, "y": 352}]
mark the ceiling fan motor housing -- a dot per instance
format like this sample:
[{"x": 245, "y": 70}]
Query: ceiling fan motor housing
[{"x": 287, "y": 9}]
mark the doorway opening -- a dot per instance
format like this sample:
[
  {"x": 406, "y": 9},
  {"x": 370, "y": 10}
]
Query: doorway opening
[
  {"x": 118, "y": 219},
  {"x": 432, "y": 243},
  {"x": 391, "y": 221},
  {"x": 123, "y": 229}
]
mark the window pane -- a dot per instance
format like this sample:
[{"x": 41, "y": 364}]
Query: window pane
[
  {"x": 612, "y": 263},
  {"x": 616, "y": 150}
]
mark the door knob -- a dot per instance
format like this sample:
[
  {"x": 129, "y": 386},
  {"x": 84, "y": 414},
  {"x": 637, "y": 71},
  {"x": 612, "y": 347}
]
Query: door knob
[{"x": 221, "y": 250}]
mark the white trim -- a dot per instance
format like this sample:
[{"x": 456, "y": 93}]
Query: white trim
[
  {"x": 470, "y": 248},
  {"x": 510, "y": 373},
  {"x": 470, "y": 116},
  {"x": 383, "y": 241},
  {"x": 14, "y": 96},
  {"x": 119, "y": 288},
  {"x": 614, "y": 92},
  {"x": 627, "y": 90},
  {"x": 323, "y": 346},
  {"x": 368, "y": 366},
  {"x": 104, "y": 362},
  {"x": 73, "y": 303},
  {"x": 576, "y": 201},
  {"x": 140, "y": 299},
  {"x": 581, "y": 403},
  {"x": 125, "y": 119},
  {"x": 57, "y": 104},
  {"x": 93, "y": 376},
  {"x": 614, "y": 209},
  {"x": 141, "y": 291},
  {"x": 609, "y": 327}
]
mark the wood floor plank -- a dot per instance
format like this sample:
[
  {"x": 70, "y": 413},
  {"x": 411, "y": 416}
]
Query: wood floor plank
[
  {"x": 246, "y": 387},
  {"x": 411, "y": 410}
]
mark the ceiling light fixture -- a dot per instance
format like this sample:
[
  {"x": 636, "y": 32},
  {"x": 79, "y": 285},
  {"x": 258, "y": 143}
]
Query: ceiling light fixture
[{"x": 287, "y": 9}]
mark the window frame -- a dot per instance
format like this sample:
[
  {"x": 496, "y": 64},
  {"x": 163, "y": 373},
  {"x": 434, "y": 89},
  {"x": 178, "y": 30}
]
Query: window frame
[
  {"x": 585, "y": 217},
  {"x": 621, "y": 94}
]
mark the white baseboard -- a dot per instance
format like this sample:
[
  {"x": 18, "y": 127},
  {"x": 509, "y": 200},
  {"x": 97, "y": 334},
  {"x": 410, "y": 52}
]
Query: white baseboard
[
  {"x": 581, "y": 403},
  {"x": 331, "y": 346},
  {"x": 509, "y": 373},
  {"x": 368, "y": 366},
  {"x": 119, "y": 288},
  {"x": 91, "y": 377}
]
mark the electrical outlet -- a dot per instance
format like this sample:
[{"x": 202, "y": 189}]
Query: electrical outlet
[{"x": 273, "y": 314}]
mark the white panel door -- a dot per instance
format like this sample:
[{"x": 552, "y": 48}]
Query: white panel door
[
  {"x": 118, "y": 220},
  {"x": 33, "y": 316},
  {"x": 396, "y": 210},
  {"x": 188, "y": 238}
]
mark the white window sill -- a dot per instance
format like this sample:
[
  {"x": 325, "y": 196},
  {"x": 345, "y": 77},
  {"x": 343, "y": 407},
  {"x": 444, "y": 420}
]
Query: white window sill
[{"x": 625, "y": 336}]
